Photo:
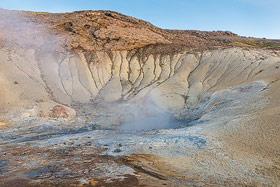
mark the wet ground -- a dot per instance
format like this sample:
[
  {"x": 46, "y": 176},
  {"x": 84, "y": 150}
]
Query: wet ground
[{"x": 88, "y": 152}]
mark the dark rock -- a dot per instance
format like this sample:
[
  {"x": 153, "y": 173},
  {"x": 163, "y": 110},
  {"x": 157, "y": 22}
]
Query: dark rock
[
  {"x": 86, "y": 26},
  {"x": 68, "y": 24},
  {"x": 93, "y": 34},
  {"x": 109, "y": 14},
  {"x": 117, "y": 151}
]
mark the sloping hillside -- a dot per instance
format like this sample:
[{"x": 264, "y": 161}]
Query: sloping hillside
[{"x": 113, "y": 100}]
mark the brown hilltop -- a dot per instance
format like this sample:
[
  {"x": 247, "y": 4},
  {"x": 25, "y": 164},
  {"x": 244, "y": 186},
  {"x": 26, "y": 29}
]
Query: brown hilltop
[
  {"x": 108, "y": 30},
  {"x": 98, "y": 30}
]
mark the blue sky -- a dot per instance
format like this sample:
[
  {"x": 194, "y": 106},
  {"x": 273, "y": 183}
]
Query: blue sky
[{"x": 258, "y": 18}]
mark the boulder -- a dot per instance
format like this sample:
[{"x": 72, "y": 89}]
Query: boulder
[{"x": 61, "y": 111}]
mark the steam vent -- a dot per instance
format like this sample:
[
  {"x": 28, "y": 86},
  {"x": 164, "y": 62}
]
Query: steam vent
[{"x": 97, "y": 98}]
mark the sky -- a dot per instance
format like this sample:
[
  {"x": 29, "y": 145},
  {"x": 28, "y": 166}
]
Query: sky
[{"x": 255, "y": 18}]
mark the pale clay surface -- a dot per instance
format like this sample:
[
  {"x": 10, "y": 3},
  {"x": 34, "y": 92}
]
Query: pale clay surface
[{"x": 234, "y": 91}]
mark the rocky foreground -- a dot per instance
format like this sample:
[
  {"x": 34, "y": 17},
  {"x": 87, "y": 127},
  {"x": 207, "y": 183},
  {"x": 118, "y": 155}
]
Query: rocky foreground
[{"x": 97, "y": 98}]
